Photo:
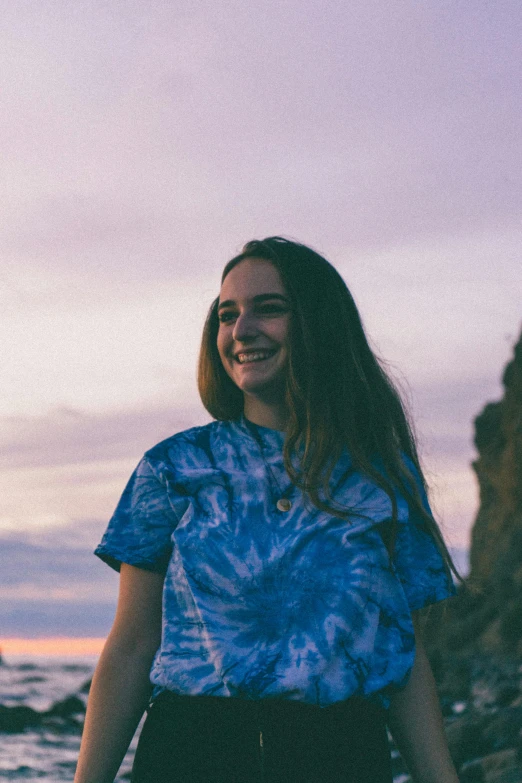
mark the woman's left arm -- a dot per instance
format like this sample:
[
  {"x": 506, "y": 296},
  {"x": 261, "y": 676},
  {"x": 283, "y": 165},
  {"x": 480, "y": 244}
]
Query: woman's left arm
[{"x": 415, "y": 721}]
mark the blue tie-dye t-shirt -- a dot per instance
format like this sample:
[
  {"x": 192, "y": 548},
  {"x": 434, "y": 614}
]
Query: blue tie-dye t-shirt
[{"x": 261, "y": 603}]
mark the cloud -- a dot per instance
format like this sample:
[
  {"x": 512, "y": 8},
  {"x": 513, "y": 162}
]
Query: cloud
[
  {"x": 35, "y": 620},
  {"x": 168, "y": 127},
  {"x": 52, "y": 584},
  {"x": 69, "y": 437},
  {"x": 68, "y": 465},
  {"x": 54, "y": 560},
  {"x": 105, "y": 352},
  {"x": 445, "y": 411}
]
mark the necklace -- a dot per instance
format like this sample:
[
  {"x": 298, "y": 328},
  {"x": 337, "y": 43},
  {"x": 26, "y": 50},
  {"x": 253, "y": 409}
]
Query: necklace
[{"x": 283, "y": 503}]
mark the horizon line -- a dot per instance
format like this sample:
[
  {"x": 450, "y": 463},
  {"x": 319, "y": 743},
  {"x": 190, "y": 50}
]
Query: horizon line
[{"x": 52, "y": 645}]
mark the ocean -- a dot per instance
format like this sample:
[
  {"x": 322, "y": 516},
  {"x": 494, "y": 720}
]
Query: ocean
[
  {"x": 47, "y": 752},
  {"x": 50, "y": 752}
]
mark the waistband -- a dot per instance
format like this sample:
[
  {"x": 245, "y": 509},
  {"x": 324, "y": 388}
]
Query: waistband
[{"x": 353, "y": 707}]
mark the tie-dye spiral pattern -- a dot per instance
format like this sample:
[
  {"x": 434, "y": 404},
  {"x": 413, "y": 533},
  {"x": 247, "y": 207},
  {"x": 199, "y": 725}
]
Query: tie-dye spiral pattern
[{"x": 260, "y": 603}]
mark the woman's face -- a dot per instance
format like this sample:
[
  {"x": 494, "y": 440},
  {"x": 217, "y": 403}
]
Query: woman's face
[{"x": 253, "y": 335}]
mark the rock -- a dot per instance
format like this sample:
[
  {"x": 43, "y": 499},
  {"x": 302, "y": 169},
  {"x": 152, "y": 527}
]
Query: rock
[
  {"x": 16, "y": 719},
  {"x": 465, "y": 738},
  {"x": 472, "y": 772},
  {"x": 502, "y": 767},
  {"x": 503, "y": 729},
  {"x": 486, "y": 615},
  {"x": 70, "y": 706},
  {"x": 454, "y": 676},
  {"x": 64, "y": 715},
  {"x": 397, "y": 763},
  {"x": 474, "y": 641},
  {"x": 508, "y": 695},
  {"x": 86, "y": 687},
  {"x": 498, "y": 438}
]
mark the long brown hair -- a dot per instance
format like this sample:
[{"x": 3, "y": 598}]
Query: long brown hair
[{"x": 337, "y": 392}]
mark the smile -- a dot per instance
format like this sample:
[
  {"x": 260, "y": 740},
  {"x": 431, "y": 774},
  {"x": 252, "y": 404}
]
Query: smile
[{"x": 254, "y": 356}]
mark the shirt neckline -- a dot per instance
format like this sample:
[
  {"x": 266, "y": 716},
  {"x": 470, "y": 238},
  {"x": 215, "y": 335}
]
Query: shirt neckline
[{"x": 269, "y": 437}]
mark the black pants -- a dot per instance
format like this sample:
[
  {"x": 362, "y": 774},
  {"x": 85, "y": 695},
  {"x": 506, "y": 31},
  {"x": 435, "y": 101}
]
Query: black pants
[{"x": 209, "y": 739}]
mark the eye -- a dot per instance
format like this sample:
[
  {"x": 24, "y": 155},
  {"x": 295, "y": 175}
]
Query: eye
[
  {"x": 226, "y": 316},
  {"x": 263, "y": 309}
]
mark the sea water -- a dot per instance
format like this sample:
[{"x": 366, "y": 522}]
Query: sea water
[
  {"x": 45, "y": 754},
  {"x": 39, "y": 682}
]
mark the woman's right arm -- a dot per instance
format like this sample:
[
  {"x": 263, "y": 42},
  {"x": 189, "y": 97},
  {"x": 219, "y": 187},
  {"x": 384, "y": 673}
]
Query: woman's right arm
[{"x": 120, "y": 686}]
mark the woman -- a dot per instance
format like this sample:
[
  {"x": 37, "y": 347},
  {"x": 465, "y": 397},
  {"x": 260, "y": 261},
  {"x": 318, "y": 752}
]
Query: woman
[{"x": 273, "y": 562}]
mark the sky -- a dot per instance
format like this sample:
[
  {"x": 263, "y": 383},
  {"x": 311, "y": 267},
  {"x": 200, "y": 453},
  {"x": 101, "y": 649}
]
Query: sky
[{"x": 143, "y": 143}]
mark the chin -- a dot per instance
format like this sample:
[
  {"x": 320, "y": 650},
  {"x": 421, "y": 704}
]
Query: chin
[
  {"x": 270, "y": 388},
  {"x": 254, "y": 388}
]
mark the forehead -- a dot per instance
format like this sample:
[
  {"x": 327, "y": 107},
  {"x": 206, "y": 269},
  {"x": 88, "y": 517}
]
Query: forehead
[{"x": 250, "y": 277}]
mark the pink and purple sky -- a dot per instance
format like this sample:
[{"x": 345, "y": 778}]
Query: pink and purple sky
[{"x": 144, "y": 142}]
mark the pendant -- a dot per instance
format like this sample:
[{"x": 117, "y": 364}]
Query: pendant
[{"x": 284, "y": 504}]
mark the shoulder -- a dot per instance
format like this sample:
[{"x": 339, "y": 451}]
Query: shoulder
[
  {"x": 410, "y": 472},
  {"x": 195, "y": 444}
]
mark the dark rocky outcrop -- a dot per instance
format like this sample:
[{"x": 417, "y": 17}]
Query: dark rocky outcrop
[
  {"x": 63, "y": 716},
  {"x": 486, "y": 617},
  {"x": 474, "y": 641},
  {"x": 86, "y": 687},
  {"x": 19, "y": 718}
]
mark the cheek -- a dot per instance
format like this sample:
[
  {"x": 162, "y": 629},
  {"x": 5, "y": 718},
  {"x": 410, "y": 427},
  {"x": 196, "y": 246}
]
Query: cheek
[
  {"x": 284, "y": 334},
  {"x": 221, "y": 346}
]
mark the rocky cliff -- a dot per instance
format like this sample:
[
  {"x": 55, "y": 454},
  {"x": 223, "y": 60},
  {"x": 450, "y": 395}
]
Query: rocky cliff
[
  {"x": 474, "y": 641},
  {"x": 496, "y": 544},
  {"x": 486, "y": 617}
]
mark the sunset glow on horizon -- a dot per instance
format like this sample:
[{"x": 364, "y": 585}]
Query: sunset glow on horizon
[{"x": 55, "y": 645}]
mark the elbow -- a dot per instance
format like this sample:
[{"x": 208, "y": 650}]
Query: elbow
[{"x": 136, "y": 646}]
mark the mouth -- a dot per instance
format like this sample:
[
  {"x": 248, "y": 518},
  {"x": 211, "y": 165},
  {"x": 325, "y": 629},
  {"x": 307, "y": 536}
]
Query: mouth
[{"x": 250, "y": 357}]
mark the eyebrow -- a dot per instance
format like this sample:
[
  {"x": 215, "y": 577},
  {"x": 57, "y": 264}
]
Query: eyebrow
[{"x": 255, "y": 299}]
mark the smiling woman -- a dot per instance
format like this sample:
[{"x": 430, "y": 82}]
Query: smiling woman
[
  {"x": 273, "y": 561},
  {"x": 253, "y": 337}
]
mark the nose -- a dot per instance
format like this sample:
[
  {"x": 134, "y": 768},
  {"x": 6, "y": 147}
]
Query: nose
[{"x": 244, "y": 327}]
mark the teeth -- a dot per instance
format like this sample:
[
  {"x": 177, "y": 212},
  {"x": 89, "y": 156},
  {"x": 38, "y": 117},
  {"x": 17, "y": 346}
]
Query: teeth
[{"x": 243, "y": 358}]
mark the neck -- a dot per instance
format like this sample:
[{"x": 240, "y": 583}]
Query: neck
[{"x": 273, "y": 416}]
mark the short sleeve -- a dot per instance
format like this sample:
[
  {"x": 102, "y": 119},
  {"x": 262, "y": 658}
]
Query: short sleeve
[
  {"x": 417, "y": 559},
  {"x": 139, "y": 532}
]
